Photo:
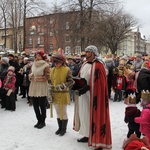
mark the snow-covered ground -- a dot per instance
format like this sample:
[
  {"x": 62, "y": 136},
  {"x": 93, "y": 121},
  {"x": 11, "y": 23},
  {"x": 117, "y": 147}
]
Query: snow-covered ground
[{"x": 17, "y": 131}]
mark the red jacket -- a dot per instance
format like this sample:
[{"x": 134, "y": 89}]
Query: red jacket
[
  {"x": 130, "y": 85},
  {"x": 120, "y": 82},
  {"x": 9, "y": 82}
]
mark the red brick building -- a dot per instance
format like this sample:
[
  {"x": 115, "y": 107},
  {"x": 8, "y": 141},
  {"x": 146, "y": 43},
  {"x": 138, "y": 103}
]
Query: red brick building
[{"x": 53, "y": 31}]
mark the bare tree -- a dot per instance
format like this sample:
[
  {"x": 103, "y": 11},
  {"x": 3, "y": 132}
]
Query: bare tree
[
  {"x": 86, "y": 14},
  {"x": 113, "y": 29},
  {"x": 14, "y": 14},
  {"x": 31, "y": 8},
  {"x": 4, "y": 15}
]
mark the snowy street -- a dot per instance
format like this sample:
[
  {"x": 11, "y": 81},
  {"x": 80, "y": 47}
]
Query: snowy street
[{"x": 17, "y": 131}]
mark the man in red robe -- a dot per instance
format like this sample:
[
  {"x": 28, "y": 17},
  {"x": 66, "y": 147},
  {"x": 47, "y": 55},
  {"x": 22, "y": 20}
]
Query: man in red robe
[{"x": 93, "y": 103}]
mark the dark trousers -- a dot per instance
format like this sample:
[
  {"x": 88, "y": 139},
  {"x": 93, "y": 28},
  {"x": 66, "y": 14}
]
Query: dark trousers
[
  {"x": 25, "y": 90},
  {"x": 132, "y": 130},
  {"x": 11, "y": 102},
  {"x": 118, "y": 95},
  {"x": 39, "y": 105},
  {"x": 3, "y": 97}
]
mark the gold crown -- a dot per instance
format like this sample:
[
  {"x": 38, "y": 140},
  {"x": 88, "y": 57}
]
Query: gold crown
[
  {"x": 145, "y": 95},
  {"x": 132, "y": 100}
]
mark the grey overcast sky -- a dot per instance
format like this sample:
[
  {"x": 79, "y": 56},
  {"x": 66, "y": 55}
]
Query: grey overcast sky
[
  {"x": 138, "y": 8},
  {"x": 141, "y": 10}
]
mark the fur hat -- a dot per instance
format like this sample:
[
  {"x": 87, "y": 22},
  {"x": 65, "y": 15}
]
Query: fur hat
[
  {"x": 5, "y": 59},
  {"x": 11, "y": 68},
  {"x": 42, "y": 54}
]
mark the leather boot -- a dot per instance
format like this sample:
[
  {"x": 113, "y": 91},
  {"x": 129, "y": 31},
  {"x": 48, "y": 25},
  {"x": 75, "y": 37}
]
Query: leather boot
[
  {"x": 63, "y": 127},
  {"x": 59, "y": 126},
  {"x": 37, "y": 124},
  {"x": 41, "y": 125}
]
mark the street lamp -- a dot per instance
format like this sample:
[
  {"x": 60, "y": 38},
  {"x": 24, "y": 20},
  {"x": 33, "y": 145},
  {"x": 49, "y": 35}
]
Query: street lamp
[{"x": 33, "y": 29}]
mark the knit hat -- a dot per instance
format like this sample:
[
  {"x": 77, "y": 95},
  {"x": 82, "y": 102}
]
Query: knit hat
[
  {"x": 25, "y": 58},
  {"x": 94, "y": 49},
  {"x": 11, "y": 68},
  {"x": 42, "y": 54},
  {"x": 30, "y": 59},
  {"x": 5, "y": 59},
  {"x": 139, "y": 56}
]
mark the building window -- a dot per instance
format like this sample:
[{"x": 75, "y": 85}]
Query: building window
[
  {"x": 30, "y": 40},
  {"x": 67, "y": 25},
  {"x": 38, "y": 40},
  {"x": 78, "y": 50},
  {"x": 51, "y": 46},
  {"x": 51, "y": 33},
  {"x": 78, "y": 25},
  {"x": 78, "y": 39},
  {"x": 67, "y": 38},
  {"x": 67, "y": 50},
  {"x": 38, "y": 28},
  {"x": 51, "y": 21}
]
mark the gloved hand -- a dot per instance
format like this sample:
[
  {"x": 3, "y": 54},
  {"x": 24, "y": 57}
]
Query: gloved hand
[
  {"x": 79, "y": 83},
  {"x": 83, "y": 90},
  {"x": 60, "y": 87},
  {"x": 51, "y": 86}
]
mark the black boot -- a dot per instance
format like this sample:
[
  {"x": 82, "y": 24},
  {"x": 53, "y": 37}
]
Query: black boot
[
  {"x": 63, "y": 127},
  {"x": 41, "y": 125},
  {"x": 37, "y": 124},
  {"x": 83, "y": 140},
  {"x": 59, "y": 126}
]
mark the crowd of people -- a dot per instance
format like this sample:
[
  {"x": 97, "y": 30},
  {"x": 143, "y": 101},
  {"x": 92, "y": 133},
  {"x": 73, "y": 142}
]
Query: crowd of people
[{"x": 86, "y": 79}]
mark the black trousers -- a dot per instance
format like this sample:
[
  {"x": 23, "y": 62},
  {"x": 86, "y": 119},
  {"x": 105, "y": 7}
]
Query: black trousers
[
  {"x": 39, "y": 105},
  {"x": 133, "y": 130},
  {"x": 11, "y": 102},
  {"x": 3, "y": 97},
  {"x": 118, "y": 95}
]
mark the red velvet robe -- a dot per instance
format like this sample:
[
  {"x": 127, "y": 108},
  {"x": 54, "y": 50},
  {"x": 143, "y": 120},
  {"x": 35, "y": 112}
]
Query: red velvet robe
[{"x": 100, "y": 130}]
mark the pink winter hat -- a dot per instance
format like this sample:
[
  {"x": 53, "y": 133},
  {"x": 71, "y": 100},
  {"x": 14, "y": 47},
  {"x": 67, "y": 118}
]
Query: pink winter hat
[{"x": 11, "y": 68}]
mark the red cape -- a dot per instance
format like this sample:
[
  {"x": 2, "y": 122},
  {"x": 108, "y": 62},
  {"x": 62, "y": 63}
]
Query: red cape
[{"x": 100, "y": 131}]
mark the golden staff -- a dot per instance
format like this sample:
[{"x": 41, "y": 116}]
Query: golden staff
[{"x": 51, "y": 110}]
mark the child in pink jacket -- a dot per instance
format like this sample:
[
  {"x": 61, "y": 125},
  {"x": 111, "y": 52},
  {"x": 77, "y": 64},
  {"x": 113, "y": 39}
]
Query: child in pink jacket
[{"x": 144, "y": 119}]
